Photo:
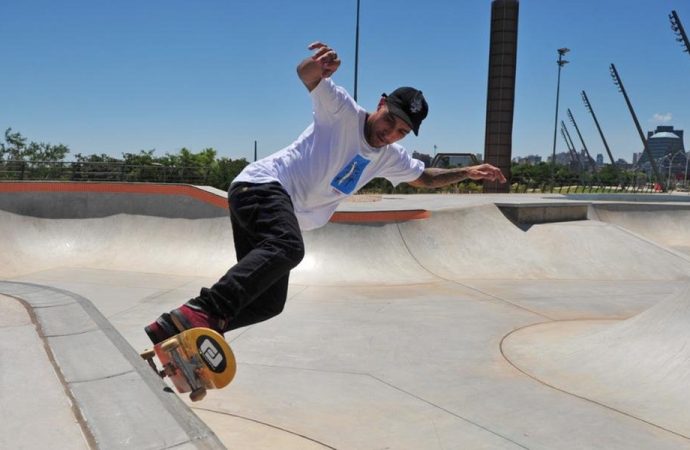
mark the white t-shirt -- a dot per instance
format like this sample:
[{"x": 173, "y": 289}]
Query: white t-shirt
[{"x": 331, "y": 159}]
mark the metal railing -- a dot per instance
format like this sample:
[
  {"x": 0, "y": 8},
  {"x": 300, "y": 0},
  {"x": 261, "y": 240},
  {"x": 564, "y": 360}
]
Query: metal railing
[
  {"x": 117, "y": 171},
  {"x": 522, "y": 186},
  {"x": 101, "y": 171}
]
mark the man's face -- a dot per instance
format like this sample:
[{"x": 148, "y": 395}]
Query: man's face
[{"x": 384, "y": 127}]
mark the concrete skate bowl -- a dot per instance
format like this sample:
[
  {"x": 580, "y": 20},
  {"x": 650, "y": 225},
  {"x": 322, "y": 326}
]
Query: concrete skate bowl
[
  {"x": 639, "y": 367},
  {"x": 401, "y": 308},
  {"x": 479, "y": 242},
  {"x": 179, "y": 230},
  {"x": 664, "y": 223},
  {"x": 185, "y": 230},
  {"x": 155, "y": 229}
]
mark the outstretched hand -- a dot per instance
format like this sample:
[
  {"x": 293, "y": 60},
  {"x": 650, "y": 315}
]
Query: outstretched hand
[
  {"x": 486, "y": 172},
  {"x": 326, "y": 57},
  {"x": 433, "y": 177}
]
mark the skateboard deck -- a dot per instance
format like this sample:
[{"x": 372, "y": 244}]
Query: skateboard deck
[{"x": 195, "y": 360}]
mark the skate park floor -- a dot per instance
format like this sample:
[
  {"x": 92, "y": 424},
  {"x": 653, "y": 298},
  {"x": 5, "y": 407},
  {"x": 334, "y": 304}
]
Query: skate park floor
[{"x": 421, "y": 321}]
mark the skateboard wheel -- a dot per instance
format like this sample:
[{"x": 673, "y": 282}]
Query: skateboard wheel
[
  {"x": 148, "y": 354},
  {"x": 170, "y": 345},
  {"x": 197, "y": 394}
]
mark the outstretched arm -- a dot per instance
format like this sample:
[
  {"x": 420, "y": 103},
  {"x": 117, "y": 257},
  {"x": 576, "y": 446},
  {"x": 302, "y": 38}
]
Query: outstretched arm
[
  {"x": 434, "y": 177},
  {"x": 322, "y": 64}
]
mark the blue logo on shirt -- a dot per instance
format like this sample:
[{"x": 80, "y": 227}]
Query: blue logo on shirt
[{"x": 348, "y": 177}]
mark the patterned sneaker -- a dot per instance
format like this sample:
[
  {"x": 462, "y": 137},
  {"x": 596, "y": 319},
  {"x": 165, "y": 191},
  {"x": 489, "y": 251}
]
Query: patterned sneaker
[
  {"x": 180, "y": 319},
  {"x": 161, "y": 329}
]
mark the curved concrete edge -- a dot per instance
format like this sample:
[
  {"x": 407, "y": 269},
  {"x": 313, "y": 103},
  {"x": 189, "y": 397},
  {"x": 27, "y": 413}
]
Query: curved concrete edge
[
  {"x": 73, "y": 200},
  {"x": 32, "y": 397},
  {"x": 208, "y": 195},
  {"x": 120, "y": 402},
  {"x": 591, "y": 360}
]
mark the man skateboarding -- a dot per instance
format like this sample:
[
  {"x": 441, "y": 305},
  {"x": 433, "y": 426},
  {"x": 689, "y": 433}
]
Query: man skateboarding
[{"x": 299, "y": 188}]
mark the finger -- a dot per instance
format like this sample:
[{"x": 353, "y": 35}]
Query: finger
[
  {"x": 499, "y": 175},
  {"x": 326, "y": 54},
  {"x": 317, "y": 44},
  {"x": 329, "y": 63},
  {"x": 319, "y": 56},
  {"x": 490, "y": 175},
  {"x": 328, "y": 59}
]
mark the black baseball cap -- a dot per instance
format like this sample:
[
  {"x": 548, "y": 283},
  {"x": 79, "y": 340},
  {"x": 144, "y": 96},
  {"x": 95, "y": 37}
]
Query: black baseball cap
[{"x": 409, "y": 104}]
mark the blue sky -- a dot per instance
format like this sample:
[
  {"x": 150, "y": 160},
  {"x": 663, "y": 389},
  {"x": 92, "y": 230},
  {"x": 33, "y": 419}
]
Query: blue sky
[{"x": 115, "y": 77}]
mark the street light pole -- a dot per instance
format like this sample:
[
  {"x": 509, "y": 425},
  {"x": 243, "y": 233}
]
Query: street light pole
[
  {"x": 588, "y": 105},
  {"x": 561, "y": 62},
  {"x": 645, "y": 148},
  {"x": 677, "y": 28},
  {"x": 356, "y": 51}
]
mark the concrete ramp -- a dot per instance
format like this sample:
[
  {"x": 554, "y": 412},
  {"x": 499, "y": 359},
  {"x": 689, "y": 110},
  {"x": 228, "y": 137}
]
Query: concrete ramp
[
  {"x": 640, "y": 366},
  {"x": 117, "y": 242},
  {"x": 480, "y": 243},
  {"x": 362, "y": 253},
  {"x": 663, "y": 223},
  {"x": 427, "y": 321},
  {"x": 455, "y": 245}
]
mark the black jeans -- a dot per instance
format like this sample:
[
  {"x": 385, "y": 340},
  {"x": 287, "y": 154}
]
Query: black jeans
[{"x": 268, "y": 244}]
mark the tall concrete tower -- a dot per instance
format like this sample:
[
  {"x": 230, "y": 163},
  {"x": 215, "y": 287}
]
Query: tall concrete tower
[{"x": 500, "y": 97}]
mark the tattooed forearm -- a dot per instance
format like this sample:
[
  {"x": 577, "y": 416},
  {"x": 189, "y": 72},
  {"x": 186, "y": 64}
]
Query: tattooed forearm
[{"x": 433, "y": 178}]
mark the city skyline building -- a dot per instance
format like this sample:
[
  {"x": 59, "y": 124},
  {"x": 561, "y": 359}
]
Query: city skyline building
[
  {"x": 665, "y": 145},
  {"x": 664, "y": 140}
]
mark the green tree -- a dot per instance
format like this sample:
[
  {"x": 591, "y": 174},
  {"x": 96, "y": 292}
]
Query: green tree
[
  {"x": 224, "y": 170},
  {"x": 30, "y": 161},
  {"x": 187, "y": 166},
  {"x": 610, "y": 175},
  {"x": 143, "y": 158},
  {"x": 12, "y": 147},
  {"x": 15, "y": 148},
  {"x": 142, "y": 166}
]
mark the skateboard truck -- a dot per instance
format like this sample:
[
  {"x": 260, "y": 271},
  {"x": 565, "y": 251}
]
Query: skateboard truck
[{"x": 194, "y": 360}]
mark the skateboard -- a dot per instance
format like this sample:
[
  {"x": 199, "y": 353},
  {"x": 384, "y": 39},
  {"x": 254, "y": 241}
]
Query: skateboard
[{"x": 195, "y": 360}]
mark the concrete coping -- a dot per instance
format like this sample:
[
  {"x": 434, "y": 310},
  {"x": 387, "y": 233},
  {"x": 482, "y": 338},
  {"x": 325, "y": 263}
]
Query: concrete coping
[{"x": 119, "y": 402}]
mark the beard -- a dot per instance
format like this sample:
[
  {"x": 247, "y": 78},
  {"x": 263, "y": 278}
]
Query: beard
[{"x": 371, "y": 137}]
